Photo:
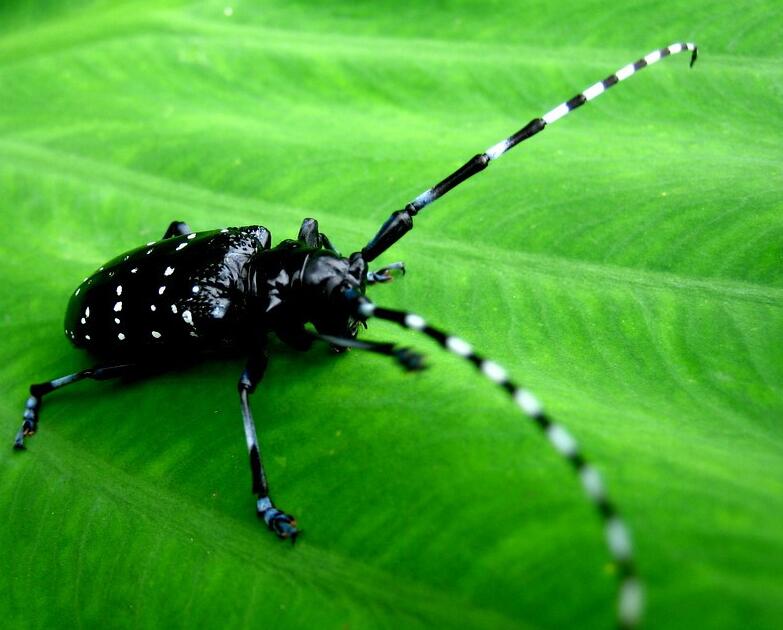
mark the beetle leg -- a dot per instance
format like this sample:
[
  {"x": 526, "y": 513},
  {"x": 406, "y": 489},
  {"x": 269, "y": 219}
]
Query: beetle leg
[
  {"x": 384, "y": 273},
  {"x": 39, "y": 390},
  {"x": 311, "y": 237},
  {"x": 408, "y": 359},
  {"x": 279, "y": 522},
  {"x": 327, "y": 244},
  {"x": 177, "y": 228}
]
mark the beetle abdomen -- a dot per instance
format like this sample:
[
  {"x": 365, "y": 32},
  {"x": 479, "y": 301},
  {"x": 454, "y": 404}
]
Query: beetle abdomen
[{"x": 181, "y": 291}]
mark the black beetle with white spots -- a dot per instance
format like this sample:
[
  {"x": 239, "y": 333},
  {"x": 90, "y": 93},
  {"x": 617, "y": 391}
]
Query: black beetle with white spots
[{"x": 194, "y": 293}]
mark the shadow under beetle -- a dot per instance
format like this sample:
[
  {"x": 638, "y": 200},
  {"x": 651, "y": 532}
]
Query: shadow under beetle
[{"x": 191, "y": 293}]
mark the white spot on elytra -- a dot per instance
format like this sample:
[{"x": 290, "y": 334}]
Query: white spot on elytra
[
  {"x": 220, "y": 309},
  {"x": 224, "y": 230},
  {"x": 174, "y": 308},
  {"x": 116, "y": 320},
  {"x": 134, "y": 270},
  {"x": 77, "y": 291},
  {"x": 187, "y": 317},
  {"x": 196, "y": 288},
  {"x": 156, "y": 334},
  {"x": 119, "y": 289},
  {"x": 87, "y": 337},
  {"x": 87, "y": 312},
  {"x": 191, "y": 236},
  {"x": 150, "y": 243},
  {"x": 121, "y": 336},
  {"x": 181, "y": 246},
  {"x": 153, "y": 307},
  {"x": 149, "y": 251},
  {"x": 169, "y": 271},
  {"x": 100, "y": 268},
  {"x": 161, "y": 290},
  {"x": 118, "y": 307},
  {"x": 84, "y": 321}
]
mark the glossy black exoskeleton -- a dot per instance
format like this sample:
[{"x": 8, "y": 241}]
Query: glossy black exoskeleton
[
  {"x": 196, "y": 292},
  {"x": 229, "y": 289}
]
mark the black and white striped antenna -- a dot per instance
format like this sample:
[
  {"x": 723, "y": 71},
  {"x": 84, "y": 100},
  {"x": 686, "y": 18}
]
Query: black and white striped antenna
[
  {"x": 630, "y": 597},
  {"x": 401, "y": 221}
]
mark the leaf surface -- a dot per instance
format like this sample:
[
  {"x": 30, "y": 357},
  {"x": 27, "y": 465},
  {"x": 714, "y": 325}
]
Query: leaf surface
[{"x": 624, "y": 265}]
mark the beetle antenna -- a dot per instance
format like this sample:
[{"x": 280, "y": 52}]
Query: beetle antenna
[
  {"x": 401, "y": 221},
  {"x": 617, "y": 535}
]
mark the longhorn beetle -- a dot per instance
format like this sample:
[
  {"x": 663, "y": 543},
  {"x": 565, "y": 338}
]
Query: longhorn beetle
[{"x": 191, "y": 293}]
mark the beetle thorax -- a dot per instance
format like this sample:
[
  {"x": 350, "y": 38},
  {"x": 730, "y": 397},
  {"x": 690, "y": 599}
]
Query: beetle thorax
[{"x": 294, "y": 286}]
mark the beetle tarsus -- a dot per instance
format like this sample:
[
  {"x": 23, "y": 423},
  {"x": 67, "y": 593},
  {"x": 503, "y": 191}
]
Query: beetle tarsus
[
  {"x": 29, "y": 424},
  {"x": 410, "y": 360},
  {"x": 19, "y": 442},
  {"x": 384, "y": 273},
  {"x": 282, "y": 524}
]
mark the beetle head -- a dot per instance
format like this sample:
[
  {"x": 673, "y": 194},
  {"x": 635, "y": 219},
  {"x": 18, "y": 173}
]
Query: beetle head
[{"x": 326, "y": 279}]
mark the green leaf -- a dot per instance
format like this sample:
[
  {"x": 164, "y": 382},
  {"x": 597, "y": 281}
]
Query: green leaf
[{"x": 624, "y": 265}]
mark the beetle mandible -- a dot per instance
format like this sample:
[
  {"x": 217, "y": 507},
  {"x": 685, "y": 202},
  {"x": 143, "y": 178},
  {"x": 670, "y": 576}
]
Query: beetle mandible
[{"x": 190, "y": 293}]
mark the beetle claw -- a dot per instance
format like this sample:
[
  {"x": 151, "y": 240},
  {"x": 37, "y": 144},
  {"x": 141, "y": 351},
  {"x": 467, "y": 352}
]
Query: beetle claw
[
  {"x": 410, "y": 360},
  {"x": 29, "y": 427},
  {"x": 282, "y": 524},
  {"x": 384, "y": 273}
]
